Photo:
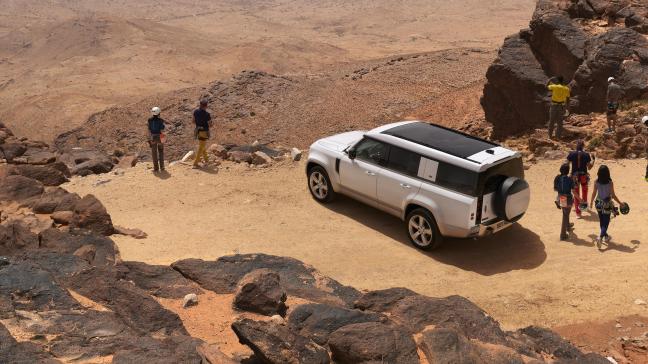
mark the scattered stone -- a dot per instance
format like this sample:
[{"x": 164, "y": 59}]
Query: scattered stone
[
  {"x": 56, "y": 199},
  {"x": 260, "y": 291},
  {"x": 135, "y": 233},
  {"x": 20, "y": 189},
  {"x": 218, "y": 151},
  {"x": 640, "y": 302},
  {"x": 554, "y": 155},
  {"x": 190, "y": 300},
  {"x": 239, "y": 156},
  {"x": 160, "y": 280},
  {"x": 128, "y": 161},
  {"x": 295, "y": 154},
  {"x": 62, "y": 217},
  {"x": 260, "y": 158},
  {"x": 188, "y": 156},
  {"x": 276, "y": 344}
]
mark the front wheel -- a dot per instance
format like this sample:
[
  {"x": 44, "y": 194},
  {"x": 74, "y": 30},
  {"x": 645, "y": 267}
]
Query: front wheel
[
  {"x": 422, "y": 230},
  {"x": 319, "y": 185}
]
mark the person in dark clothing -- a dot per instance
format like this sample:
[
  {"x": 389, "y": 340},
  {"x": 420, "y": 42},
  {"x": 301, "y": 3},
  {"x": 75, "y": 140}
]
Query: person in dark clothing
[
  {"x": 581, "y": 163},
  {"x": 155, "y": 129},
  {"x": 202, "y": 119},
  {"x": 563, "y": 185}
]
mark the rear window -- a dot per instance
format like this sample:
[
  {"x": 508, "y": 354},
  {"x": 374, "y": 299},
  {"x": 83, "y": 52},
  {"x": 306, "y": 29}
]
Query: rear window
[{"x": 457, "y": 179}]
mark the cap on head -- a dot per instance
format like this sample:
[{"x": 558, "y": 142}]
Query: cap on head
[
  {"x": 645, "y": 120},
  {"x": 610, "y": 79},
  {"x": 204, "y": 102},
  {"x": 156, "y": 111}
]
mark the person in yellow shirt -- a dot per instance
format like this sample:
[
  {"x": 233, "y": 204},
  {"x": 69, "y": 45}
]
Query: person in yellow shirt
[{"x": 560, "y": 95}]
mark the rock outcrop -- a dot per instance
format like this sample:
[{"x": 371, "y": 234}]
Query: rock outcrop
[{"x": 568, "y": 40}]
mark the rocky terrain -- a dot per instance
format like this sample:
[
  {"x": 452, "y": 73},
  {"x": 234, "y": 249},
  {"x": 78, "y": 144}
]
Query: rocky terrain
[
  {"x": 585, "y": 41},
  {"x": 294, "y": 110},
  {"x": 66, "y": 296}
]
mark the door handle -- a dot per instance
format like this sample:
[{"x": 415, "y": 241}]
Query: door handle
[
  {"x": 370, "y": 173},
  {"x": 403, "y": 185}
]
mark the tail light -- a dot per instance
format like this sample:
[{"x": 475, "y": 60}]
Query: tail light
[{"x": 480, "y": 206}]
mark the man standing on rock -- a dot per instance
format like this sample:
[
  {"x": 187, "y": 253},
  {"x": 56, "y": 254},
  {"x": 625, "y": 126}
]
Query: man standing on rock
[
  {"x": 614, "y": 95},
  {"x": 155, "y": 128},
  {"x": 581, "y": 163},
  {"x": 560, "y": 94},
  {"x": 202, "y": 119}
]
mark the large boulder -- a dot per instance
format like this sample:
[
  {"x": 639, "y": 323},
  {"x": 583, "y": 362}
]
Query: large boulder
[
  {"x": 260, "y": 291},
  {"x": 276, "y": 344},
  {"x": 28, "y": 288},
  {"x": 20, "y": 189},
  {"x": 90, "y": 214},
  {"x": 297, "y": 278},
  {"x": 383, "y": 300},
  {"x": 373, "y": 342},
  {"x": 550, "y": 343},
  {"x": 15, "y": 236},
  {"x": 86, "y": 162},
  {"x": 318, "y": 321},
  {"x": 56, "y": 199},
  {"x": 514, "y": 97},
  {"x": 558, "y": 41},
  {"x": 47, "y": 175},
  {"x": 12, "y": 351},
  {"x": 605, "y": 57},
  {"x": 36, "y": 156},
  {"x": 159, "y": 280},
  {"x": 13, "y": 150}
]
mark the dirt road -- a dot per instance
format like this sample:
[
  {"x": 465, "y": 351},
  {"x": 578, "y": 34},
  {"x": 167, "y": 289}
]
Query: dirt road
[{"x": 522, "y": 276}]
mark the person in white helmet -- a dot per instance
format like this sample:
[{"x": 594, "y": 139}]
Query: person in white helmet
[
  {"x": 644, "y": 121},
  {"x": 155, "y": 128},
  {"x": 614, "y": 95}
]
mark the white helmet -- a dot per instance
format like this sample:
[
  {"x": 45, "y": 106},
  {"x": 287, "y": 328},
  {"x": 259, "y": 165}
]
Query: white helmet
[
  {"x": 610, "y": 79},
  {"x": 645, "y": 120},
  {"x": 156, "y": 111}
]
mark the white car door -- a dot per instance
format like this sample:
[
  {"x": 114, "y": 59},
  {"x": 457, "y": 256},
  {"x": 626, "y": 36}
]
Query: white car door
[
  {"x": 359, "y": 176},
  {"x": 397, "y": 182}
]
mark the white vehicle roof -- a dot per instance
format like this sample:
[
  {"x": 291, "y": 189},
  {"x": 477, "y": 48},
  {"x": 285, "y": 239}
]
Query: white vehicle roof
[{"x": 443, "y": 144}]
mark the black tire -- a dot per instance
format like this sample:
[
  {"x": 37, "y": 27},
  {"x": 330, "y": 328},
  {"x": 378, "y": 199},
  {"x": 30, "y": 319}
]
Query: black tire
[
  {"x": 509, "y": 186},
  {"x": 319, "y": 185},
  {"x": 420, "y": 223}
]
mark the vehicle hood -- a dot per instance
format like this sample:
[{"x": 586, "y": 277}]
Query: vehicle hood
[{"x": 339, "y": 142}]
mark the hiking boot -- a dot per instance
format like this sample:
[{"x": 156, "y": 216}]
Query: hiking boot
[
  {"x": 570, "y": 226},
  {"x": 607, "y": 238},
  {"x": 564, "y": 237}
]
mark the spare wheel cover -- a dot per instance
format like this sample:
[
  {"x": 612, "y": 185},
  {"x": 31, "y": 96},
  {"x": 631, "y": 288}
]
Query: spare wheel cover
[{"x": 512, "y": 199}]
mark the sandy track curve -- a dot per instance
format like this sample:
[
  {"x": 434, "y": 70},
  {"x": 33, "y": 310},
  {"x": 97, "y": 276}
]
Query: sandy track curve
[{"x": 522, "y": 276}]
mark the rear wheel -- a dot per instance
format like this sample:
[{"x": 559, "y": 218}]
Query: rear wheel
[
  {"x": 319, "y": 185},
  {"x": 422, "y": 230}
]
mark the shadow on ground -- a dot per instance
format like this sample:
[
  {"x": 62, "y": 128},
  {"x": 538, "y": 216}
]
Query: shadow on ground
[{"x": 512, "y": 249}]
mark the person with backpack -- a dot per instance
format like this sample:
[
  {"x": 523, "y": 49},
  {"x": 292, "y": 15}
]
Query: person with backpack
[
  {"x": 560, "y": 94},
  {"x": 603, "y": 196},
  {"x": 155, "y": 129},
  {"x": 581, "y": 163},
  {"x": 564, "y": 185},
  {"x": 202, "y": 120}
]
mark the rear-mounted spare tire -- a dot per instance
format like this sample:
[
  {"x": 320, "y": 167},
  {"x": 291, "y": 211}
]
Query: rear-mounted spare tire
[{"x": 512, "y": 199}]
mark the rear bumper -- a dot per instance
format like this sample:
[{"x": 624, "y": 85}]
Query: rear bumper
[{"x": 489, "y": 229}]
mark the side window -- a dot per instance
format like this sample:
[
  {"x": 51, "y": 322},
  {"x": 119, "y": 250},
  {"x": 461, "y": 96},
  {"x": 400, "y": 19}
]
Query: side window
[
  {"x": 372, "y": 151},
  {"x": 457, "y": 178},
  {"x": 403, "y": 161}
]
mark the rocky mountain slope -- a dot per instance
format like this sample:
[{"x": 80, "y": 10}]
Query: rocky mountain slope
[
  {"x": 585, "y": 41},
  {"x": 294, "y": 109},
  {"x": 66, "y": 296}
]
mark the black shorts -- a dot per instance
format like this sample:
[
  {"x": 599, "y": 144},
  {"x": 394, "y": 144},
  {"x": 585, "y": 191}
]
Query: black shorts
[{"x": 612, "y": 108}]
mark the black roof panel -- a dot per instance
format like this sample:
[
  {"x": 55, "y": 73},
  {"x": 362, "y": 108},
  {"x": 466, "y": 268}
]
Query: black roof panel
[{"x": 441, "y": 138}]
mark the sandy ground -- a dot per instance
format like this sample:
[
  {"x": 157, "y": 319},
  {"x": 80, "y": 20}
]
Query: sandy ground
[
  {"x": 522, "y": 276},
  {"x": 62, "y": 61}
]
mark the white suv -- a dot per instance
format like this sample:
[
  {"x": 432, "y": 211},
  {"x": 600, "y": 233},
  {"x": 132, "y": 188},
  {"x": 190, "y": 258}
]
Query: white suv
[{"x": 443, "y": 183}]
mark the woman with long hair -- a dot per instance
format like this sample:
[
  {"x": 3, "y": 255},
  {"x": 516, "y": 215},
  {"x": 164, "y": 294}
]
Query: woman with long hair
[{"x": 604, "y": 194}]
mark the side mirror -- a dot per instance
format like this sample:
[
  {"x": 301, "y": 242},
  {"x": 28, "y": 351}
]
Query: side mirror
[{"x": 352, "y": 153}]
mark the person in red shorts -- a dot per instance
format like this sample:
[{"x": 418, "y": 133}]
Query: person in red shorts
[{"x": 581, "y": 163}]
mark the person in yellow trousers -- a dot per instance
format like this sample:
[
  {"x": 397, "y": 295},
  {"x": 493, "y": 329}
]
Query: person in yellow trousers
[{"x": 202, "y": 119}]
